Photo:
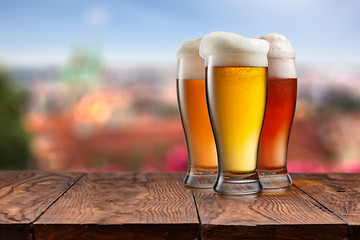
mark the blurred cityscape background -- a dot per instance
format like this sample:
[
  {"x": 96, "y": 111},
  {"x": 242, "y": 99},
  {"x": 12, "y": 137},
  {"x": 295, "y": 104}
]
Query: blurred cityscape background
[{"x": 91, "y": 86}]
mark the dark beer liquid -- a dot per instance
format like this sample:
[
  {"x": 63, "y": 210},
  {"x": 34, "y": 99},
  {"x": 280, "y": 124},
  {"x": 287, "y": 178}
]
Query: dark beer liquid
[{"x": 278, "y": 120}]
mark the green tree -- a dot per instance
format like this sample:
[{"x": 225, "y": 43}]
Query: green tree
[{"x": 14, "y": 141}]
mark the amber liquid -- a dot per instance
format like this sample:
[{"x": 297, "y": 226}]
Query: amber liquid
[
  {"x": 278, "y": 120},
  {"x": 195, "y": 120},
  {"x": 237, "y": 101}
]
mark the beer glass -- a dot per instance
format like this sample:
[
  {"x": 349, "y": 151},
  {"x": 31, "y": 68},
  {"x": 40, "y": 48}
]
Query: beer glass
[
  {"x": 236, "y": 88},
  {"x": 194, "y": 115},
  {"x": 279, "y": 113}
]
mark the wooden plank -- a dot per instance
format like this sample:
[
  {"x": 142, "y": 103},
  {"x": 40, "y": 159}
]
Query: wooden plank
[
  {"x": 122, "y": 206},
  {"x": 24, "y": 196},
  {"x": 270, "y": 215},
  {"x": 339, "y": 192}
]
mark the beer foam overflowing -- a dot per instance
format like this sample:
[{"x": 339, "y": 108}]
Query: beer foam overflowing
[
  {"x": 232, "y": 49},
  {"x": 189, "y": 49},
  {"x": 280, "y": 47},
  {"x": 190, "y": 64},
  {"x": 281, "y": 56}
]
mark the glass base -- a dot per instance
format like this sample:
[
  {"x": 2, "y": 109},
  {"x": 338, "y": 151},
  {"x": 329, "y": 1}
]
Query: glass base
[
  {"x": 237, "y": 184},
  {"x": 274, "y": 178},
  {"x": 200, "y": 178}
]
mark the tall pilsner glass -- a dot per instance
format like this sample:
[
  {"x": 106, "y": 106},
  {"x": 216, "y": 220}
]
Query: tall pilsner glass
[
  {"x": 194, "y": 115},
  {"x": 279, "y": 114},
  {"x": 236, "y": 88}
]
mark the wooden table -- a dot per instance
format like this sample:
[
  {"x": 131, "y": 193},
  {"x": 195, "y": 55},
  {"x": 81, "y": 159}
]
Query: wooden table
[{"x": 48, "y": 205}]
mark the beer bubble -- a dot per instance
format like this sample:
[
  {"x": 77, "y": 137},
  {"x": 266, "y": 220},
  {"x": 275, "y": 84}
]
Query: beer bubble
[
  {"x": 281, "y": 56},
  {"x": 231, "y": 49},
  {"x": 190, "y": 64}
]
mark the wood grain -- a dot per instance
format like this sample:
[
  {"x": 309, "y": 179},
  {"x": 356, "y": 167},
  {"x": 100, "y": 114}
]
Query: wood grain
[
  {"x": 42, "y": 205},
  {"x": 273, "y": 215},
  {"x": 122, "y": 206},
  {"x": 24, "y": 196},
  {"x": 339, "y": 192}
]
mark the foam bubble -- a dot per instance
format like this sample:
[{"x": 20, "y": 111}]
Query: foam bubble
[
  {"x": 282, "y": 68},
  {"x": 230, "y": 49},
  {"x": 280, "y": 47},
  {"x": 190, "y": 64},
  {"x": 281, "y": 56},
  {"x": 189, "y": 49}
]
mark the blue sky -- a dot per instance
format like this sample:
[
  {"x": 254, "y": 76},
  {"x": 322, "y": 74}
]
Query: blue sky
[{"x": 44, "y": 31}]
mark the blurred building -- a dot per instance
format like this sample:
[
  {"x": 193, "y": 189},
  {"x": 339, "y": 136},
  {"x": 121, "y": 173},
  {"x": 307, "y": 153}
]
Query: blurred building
[
  {"x": 89, "y": 116},
  {"x": 108, "y": 119}
]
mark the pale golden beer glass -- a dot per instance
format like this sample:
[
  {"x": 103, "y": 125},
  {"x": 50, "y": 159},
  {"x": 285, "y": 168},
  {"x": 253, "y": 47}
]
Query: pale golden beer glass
[
  {"x": 236, "y": 88},
  {"x": 202, "y": 158}
]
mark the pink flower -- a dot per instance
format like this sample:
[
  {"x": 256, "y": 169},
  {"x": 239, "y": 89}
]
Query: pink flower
[
  {"x": 176, "y": 159},
  {"x": 350, "y": 166},
  {"x": 307, "y": 166}
]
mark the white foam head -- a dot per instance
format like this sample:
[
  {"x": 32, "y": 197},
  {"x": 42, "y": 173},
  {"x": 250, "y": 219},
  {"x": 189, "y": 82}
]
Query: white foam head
[
  {"x": 280, "y": 47},
  {"x": 230, "y": 49},
  {"x": 281, "y": 56},
  {"x": 190, "y": 64}
]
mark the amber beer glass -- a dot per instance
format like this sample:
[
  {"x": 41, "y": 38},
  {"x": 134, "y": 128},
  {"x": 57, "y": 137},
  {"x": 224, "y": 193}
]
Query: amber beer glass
[
  {"x": 279, "y": 114},
  {"x": 194, "y": 115},
  {"x": 236, "y": 87}
]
